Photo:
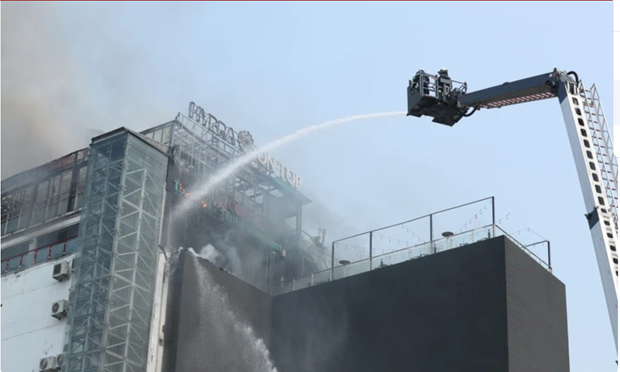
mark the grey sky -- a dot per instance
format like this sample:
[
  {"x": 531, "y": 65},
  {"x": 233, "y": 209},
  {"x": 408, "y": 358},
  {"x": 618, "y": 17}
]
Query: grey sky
[{"x": 274, "y": 68}]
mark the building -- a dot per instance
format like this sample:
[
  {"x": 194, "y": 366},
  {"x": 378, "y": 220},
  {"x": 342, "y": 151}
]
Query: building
[
  {"x": 92, "y": 279},
  {"x": 477, "y": 300},
  {"x": 85, "y": 240}
]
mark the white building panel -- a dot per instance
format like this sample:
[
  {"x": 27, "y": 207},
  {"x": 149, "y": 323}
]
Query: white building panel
[{"x": 29, "y": 332}]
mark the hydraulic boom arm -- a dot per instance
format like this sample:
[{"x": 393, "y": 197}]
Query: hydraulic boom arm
[{"x": 447, "y": 101}]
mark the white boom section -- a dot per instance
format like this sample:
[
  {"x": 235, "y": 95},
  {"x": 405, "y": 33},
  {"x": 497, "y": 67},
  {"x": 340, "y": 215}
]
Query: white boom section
[
  {"x": 590, "y": 141},
  {"x": 603, "y": 144}
]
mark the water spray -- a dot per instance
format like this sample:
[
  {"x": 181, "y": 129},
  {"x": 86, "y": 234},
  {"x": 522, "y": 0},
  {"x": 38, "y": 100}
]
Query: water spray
[
  {"x": 224, "y": 173},
  {"x": 230, "y": 336}
]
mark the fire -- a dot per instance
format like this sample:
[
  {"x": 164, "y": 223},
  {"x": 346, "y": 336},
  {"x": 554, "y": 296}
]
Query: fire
[{"x": 187, "y": 194}]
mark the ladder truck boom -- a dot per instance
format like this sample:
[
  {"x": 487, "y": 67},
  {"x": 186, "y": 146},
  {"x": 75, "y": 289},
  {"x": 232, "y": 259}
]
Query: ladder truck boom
[{"x": 447, "y": 102}]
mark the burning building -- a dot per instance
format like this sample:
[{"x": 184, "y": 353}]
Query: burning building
[
  {"x": 92, "y": 279},
  {"x": 95, "y": 229}
]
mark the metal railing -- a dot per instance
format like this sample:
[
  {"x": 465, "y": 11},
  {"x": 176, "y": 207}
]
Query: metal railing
[
  {"x": 529, "y": 248},
  {"x": 430, "y": 244},
  {"x": 317, "y": 253},
  {"x": 39, "y": 255},
  {"x": 406, "y": 254}
]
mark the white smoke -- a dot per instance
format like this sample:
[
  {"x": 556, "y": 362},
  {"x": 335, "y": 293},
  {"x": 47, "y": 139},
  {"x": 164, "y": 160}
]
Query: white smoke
[
  {"x": 227, "y": 258},
  {"x": 208, "y": 252}
]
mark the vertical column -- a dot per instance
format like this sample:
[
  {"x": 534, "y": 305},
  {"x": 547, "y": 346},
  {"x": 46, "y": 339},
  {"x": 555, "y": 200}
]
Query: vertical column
[
  {"x": 112, "y": 295},
  {"x": 134, "y": 267},
  {"x": 96, "y": 239}
]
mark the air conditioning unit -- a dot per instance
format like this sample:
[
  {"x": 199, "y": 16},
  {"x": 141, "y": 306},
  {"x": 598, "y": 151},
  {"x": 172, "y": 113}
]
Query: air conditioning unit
[
  {"x": 62, "y": 270},
  {"x": 59, "y": 359},
  {"x": 48, "y": 364},
  {"x": 60, "y": 309}
]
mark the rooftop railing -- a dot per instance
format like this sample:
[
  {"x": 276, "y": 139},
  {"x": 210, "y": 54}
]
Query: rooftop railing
[{"x": 384, "y": 246}]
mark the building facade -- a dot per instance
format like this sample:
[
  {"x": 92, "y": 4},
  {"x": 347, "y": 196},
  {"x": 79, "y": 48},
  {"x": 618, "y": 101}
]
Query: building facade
[
  {"x": 93, "y": 279},
  {"x": 486, "y": 305},
  {"x": 87, "y": 238}
]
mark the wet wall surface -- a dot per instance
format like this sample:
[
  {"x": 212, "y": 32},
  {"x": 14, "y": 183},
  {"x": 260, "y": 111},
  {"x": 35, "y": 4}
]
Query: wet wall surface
[
  {"x": 459, "y": 310},
  {"x": 223, "y": 322}
]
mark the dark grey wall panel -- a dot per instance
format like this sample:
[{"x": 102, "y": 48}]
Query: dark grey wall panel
[
  {"x": 483, "y": 307},
  {"x": 537, "y": 321},
  {"x": 445, "y": 312},
  {"x": 222, "y": 321}
]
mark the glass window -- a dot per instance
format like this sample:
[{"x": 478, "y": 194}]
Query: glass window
[
  {"x": 117, "y": 150},
  {"x": 166, "y": 136},
  {"x": 54, "y": 198},
  {"x": 16, "y": 250},
  {"x": 16, "y": 210},
  {"x": 53, "y": 245},
  {"x": 81, "y": 154},
  {"x": 65, "y": 191},
  {"x": 28, "y": 259},
  {"x": 71, "y": 246},
  {"x": 26, "y": 211},
  {"x": 157, "y": 135},
  {"x": 81, "y": 186},
  {"x": 6, "y": 208},
  {"x": 13, "y": 264},
  {"x": 57, "y": 250},
  {"x": 58, "y": 236},
  {"x": 40, "y": 202}
]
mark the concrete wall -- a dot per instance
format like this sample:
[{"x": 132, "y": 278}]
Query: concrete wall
[
  {"x": 537, "y": 320},
  {"x": 29, "y": 332}
]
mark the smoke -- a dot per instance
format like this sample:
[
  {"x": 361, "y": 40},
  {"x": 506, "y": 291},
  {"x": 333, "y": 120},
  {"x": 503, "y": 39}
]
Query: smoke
[
  {"x": 39, "y": 81},
  {"x": 227, "y": 259},
  {"x": 228, "y": 255},
  {"x": 249, "y": 265},
  {"x": 209, "y": 253},
  {"x": 318, "y": 215},
  {"x": 65, "y": 74}
]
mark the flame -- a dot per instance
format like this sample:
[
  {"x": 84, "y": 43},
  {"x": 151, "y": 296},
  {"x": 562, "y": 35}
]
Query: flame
[{"x": 187, "y": 194}]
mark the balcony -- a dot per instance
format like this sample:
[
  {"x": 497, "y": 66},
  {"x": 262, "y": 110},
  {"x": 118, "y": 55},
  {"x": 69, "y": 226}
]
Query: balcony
[{"x": 39, "y": 255}]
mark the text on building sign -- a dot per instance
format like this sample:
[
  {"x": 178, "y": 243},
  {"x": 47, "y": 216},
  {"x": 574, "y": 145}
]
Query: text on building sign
[
  {"x": 280, "y": 170},
  {"x": 242, "y": 141}
]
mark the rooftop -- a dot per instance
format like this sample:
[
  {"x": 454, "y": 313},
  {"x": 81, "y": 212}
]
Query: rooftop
[{"x": 415, "y": 238}]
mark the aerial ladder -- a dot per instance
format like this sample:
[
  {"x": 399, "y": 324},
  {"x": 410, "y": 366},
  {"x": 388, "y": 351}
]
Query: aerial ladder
[{"x": 447, "y": 102}]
